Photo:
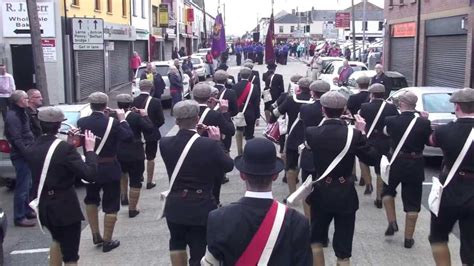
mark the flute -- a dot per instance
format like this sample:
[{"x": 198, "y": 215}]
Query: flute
[{"x": 78, "y": 134}]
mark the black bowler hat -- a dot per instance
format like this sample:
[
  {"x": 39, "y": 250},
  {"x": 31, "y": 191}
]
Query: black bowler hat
[
  {"x": 259, "y": 158},
  {"x": 272, "y": 65}
]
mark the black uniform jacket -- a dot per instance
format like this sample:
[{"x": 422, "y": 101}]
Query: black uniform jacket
[
  {"x": 311, "y": 116},
  {"x": 231, "y": 228},
  {"x": 333, "y": 194},
  {"x": 369, "y": 111},
  {"x": 159, "y": 84},
  {"x": 130, "y": 151},
  {"x": 191, "y": 200},
  {"x": 217, "y": 119},
  {"x": 59, "y": 205},
  {"x": 408, "y": 169},
  {"x": 384, "y": 80},
  {"x": 253, "y": 109},
  {"x": 276, "y": 86},
  {"x": 155, "y": 113},
  {"x": 355, "y": 101},
  {"x": 292, "y": 108},
  {"x": 97, "y": 123},
  {"x": 256, "y": 80},
  {"x": 451, "y": 138},
  {"x": 229, "y": 95}
]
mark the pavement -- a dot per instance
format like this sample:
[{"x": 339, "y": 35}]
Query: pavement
[{"x": 144, "y": 239}]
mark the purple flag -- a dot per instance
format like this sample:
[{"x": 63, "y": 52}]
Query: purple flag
[
  {"x": 269, "y": 49},
  {"x": 218, "y": 37}
]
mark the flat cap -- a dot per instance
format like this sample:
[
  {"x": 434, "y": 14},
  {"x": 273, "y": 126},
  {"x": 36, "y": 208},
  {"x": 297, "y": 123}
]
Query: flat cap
[
  {"x": 145, "y": 84},
  {"x": 363, "y": 80},
  {"x": 320, "y": 86},
  {"x": 186, "y": 109},
  {"x": 220, "y": 76},
  {"x": 304, "y": 83},
  {"x": 202, "y": 90},
  {"x": 98, "y": 97},
  {"x": 248, "y": 60},
  {"x": 51, "y": 114},
  {"x": 246, "y": 71},
  {"x": 376, "y": 88},
  {"x": 333, "y": 100},
  {"x": 465, "y": 95},
  {"x": 272, "y": 65},
  {"x": 408, "y": 97},
  {"x": 214, "y": 92},
  {"x": 124, "y": 98},
  {"x": 249, "y": 65},
  {"x": 295, "y": 78}
]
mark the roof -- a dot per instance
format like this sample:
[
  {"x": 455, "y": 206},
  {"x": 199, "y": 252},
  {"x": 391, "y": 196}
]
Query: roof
[
  {"x": 292, "y": 19},
  {"x": 373, "y": 12}
]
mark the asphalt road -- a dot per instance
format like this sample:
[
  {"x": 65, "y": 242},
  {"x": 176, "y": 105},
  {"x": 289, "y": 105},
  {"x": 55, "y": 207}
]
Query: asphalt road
[{"x": 28, "y": 246}]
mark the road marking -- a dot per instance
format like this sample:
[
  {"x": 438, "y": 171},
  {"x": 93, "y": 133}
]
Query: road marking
[
  {"x": 29, "y": 251},
  {"x": 427, "y": 183}
]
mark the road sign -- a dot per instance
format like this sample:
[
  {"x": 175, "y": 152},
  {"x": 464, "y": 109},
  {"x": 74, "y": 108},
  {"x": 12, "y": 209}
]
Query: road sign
[
  {"x": 343, "y": 20},
  {"x": 49, "y": 50},
  {"x": 88, "y": 33},
  {"x": 14, "y": 17}
]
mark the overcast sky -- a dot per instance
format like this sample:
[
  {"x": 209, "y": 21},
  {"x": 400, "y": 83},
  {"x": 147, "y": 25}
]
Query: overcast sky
[{"x": 242, "y": 15}]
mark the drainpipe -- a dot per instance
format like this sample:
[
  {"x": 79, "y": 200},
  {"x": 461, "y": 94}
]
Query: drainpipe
[{"x": 417, "y": 44}]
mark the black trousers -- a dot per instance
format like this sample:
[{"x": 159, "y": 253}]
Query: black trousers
[
  {"x": 239, "y": 59},
  {"x": 344, "y": 224},
  {"x": 411, "y": 193},
  {"x": 227, "y": 141},
  {"x": 110, "y": 196},
  {"x": 193, "y": 236},
  {"x": 248, "y": 130},
  {"x": 281, "y": 142},
  {"x": 68, "y": 238},
  {"x": 216, "y": 189},
  {"x": 135, "y": 170},
  {"x": 151, "y": 147},
  {"x": 291, "y": 159}
]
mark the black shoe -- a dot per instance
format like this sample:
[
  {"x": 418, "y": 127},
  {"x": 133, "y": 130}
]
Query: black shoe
[
  {"x": 150, "y": 185},
  {"x": 124, "y": 201},
  {"x": 225, "y": 180},
  {"x": 368, "y": 190},
  {"x": 97, "y": 239},
  {"x": 391, "y": 229},
  {"x": 361, "y": 182},
  {"x": 133, "y": 213},
  {"x": 109, "y": 245},
  {"x": 378, "y": 204},
  {"x": 284, "y": 179},
  {"x": 409, "y": 243}
]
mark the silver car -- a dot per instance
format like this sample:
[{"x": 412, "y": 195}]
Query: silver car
[{"x": 435, "y": 101}]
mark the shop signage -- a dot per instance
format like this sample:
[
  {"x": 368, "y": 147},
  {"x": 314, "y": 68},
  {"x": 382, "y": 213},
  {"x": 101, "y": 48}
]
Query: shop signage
[
  {"x": 403, "y": 30},
  {"x": 164, "y": 16},
  {"x": 49, "y": 50},
  {"x": 119, "y": 32},
  {"x": 343, "y": 20},
  {"x": 16, "y": 22}
]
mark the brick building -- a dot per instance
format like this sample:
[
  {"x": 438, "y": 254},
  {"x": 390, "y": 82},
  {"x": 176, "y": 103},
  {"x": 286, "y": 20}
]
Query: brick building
[{"x": 430, "y": 41}]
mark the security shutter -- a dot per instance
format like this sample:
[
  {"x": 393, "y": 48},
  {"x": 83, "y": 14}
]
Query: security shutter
[
  {"x": 90, "y": 67},
  {"x": 141, "y": 47},
  {"x": 119, "y": 66},
  {"x": 402, "y": 53},
  {"x": 168, "y": 50},
  {"x": 445, "y": 61}
]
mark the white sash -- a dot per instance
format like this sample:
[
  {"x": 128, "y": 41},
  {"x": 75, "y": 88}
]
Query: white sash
[
  {"x": 216, "y": 108},
  {"x": 147, "y": 103},
  {"x": 276, "y": 227},
  {"x": 239, "y": 119},
  {"x": 127, "y": 113},
  {"x": 376, "y": 120},
  {"x": 203, "y": 116},
  {"x": 106, "y": 135}
]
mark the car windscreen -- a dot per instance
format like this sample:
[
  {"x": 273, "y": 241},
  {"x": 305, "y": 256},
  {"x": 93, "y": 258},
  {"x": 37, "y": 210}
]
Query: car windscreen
[
  {"x": 437, "y": 103},
  {"x": 399, "y": 83},
  {"x": 162, "y": 70},
  {"x": 71, "y": 119},
  {"x": 195, "y": 61}
]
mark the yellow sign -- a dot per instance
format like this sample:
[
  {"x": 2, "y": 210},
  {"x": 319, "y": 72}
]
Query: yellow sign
[{"x": 164, "y": 16}]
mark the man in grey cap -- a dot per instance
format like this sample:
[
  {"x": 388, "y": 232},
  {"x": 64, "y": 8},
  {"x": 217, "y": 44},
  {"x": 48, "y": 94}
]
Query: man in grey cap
[
  {"x": 59, "y": 208},
  {"x": 254, "y": 77},
  {"x": 335, "y": 197},
  {"x": 457, "y": 201},
  {"x": 191, "y": 199},
  {"x": 408, "y": 168},
  {"x": 131, "y": 154},
  {"x": 109, "y": 172},
  {"x": 376, "y": 137},
  {"x": 363, "y": 96}
]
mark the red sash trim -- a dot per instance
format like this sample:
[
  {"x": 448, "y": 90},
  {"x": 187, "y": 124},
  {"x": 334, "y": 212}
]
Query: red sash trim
[
  {"x": 254, "y": 250},
  {"x": 243, "y": 97}
]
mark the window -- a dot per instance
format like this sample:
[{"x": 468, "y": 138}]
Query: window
[
  {"x": 307, "y": 28},
  {"x": 109, "y": 6},
  {"x": 155, "y": 16},
  {"x": 97, "y": 5},
  {"x": 143, "y": 9},
  {"x": 280, "y": 30},
  {"x": 124, "y": 8},
  {"x": 75, "y": 2},
  {"x": 437, "y": 103},
  {"x": 292, "y": 28},
  {"x": 380, "y": 25},
  {"x": 365, "y": 25},
  {"x": 134, "y": 7}
]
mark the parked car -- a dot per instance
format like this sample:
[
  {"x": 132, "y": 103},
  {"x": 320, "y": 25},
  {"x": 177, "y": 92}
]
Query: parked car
[
  {"x": 162, "y": 68},
  {"x": 200, "y": 67},
  {"x": 3, "y": 232},
  {"x": 202, "y": 53},
  {"x": 398, "y": 80},
  {"x": 332, "y": 71},
  {"x": 435, "y": 101}
]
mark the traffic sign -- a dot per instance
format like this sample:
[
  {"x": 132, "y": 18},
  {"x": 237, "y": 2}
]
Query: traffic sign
[{"x": 89, "y": 33}]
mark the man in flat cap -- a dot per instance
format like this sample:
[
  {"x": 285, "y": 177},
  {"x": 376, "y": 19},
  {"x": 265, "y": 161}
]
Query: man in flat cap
[
  {"x": 131, "y": 154},
  {"x": 408, "y": 167},
  {"x": 155, "y": 112},
  {"x": 254, "y": 77},
  {"x": 111, "y": 131},
  {"x": 274, "y": 87},
  {"x": 374, "y": 114},
  {"x": 191, "y": 199},
  {"x": 231, "y": 230},
  {"x": 334, "y": 197},
  {"x": 246, "y": 92},
  {"x": 311, "y": 115},
  {"x": 457, "y": 201},
  {"x": 363, "y": 96},
  {"x": 209, "y": 117},
  {"x": 59, "y": 208},
  {"x": 295, "y": 135}
]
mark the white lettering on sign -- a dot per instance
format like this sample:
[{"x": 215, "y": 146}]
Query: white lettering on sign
[
  {"x": 78, "y": 46},
  {"x": 16, "y": 22}
]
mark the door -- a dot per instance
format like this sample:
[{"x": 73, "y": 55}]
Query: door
[
  {"x": 23, "y": 66},
  {"x": 402, "y": 54}
]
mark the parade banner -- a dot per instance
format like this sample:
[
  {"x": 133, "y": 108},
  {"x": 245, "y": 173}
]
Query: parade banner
[
  {"x": 269, "y": 50},
  {"x": 218, "y": 37}
]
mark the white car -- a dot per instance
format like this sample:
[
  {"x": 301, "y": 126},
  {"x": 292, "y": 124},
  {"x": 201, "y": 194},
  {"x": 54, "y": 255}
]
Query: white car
[
  {"x": 199, "y": 65},
  {"x": 332, "y": 71},
  {"x": 162, "y": 68},
  {"x": 202, "y": 52},
  {"x": 398, "y": 80},
  {"x": 435, "y": 101}
]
